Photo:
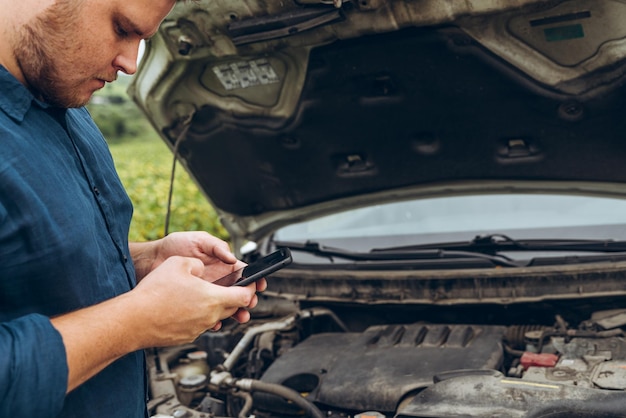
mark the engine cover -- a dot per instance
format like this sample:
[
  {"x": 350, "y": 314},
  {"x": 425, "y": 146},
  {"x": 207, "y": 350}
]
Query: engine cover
[
  {"x": 375, "y": 369},
  {"x": 475, "y": 394}
]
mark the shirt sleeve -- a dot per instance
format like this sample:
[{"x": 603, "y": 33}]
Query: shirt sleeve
[{"x": 33, "y": 368}]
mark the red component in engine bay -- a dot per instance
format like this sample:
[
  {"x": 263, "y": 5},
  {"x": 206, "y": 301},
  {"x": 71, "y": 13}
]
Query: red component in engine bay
[{"x": 529, "y": 359}]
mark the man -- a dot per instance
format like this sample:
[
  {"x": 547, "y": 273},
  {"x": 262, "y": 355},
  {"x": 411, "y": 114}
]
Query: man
[{"x": 78, "y": 303}]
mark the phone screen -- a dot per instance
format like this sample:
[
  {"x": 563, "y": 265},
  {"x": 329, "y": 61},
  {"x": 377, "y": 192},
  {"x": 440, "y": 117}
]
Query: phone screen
[{"x": 256, "y": 270}]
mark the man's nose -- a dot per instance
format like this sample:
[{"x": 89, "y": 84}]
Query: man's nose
[{"x": 126, "y": 59}]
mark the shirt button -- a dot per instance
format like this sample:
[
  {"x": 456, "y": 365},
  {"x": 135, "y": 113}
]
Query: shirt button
[{"x": 96, "y": 191}]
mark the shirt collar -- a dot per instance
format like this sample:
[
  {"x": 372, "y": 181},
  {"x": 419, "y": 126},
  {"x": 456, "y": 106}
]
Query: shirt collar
[{"x": 15, "y": 98}]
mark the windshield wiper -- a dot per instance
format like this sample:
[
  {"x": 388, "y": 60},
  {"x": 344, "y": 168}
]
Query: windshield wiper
[
  {"x": 413, "y": 255},
  {"x": 495, "y": 243}
]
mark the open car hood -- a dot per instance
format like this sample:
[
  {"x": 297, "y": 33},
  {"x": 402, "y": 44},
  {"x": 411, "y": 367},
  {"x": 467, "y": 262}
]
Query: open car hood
[{"x": 284, "y": 110}]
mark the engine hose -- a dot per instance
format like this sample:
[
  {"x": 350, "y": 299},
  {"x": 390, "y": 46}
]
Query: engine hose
[
  {"x": 284, "y": 392},
  {"x": 247, "y": 405}
]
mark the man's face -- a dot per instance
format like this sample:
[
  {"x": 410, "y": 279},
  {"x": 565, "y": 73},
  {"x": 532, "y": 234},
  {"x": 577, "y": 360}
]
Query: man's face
[{"x": 73, "y": 47}]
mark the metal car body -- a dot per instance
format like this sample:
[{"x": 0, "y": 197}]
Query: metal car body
[{"x": 310, "y": 124}]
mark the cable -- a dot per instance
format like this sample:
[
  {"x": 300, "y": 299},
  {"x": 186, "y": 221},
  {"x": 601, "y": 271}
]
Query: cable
[{"x": 186, "y": 122}]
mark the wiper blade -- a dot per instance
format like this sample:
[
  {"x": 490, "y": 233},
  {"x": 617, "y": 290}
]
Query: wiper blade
[
  {"x": 400, "y": 255},
  {"x": 493, "y": 243}
]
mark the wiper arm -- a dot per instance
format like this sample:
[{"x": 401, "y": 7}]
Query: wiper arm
[
  {"x": 493, "y": 243},
  {"x": 427, "y": 254}
]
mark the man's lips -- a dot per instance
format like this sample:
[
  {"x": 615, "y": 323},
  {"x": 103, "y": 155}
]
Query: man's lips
[{"x": 102, "y": 82}]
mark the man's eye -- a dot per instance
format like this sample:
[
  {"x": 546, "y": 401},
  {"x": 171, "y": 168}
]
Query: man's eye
[{"x": 120, "y": 31}]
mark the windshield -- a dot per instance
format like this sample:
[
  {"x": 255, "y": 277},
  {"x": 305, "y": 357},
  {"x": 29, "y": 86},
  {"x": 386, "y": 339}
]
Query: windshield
[{"x": 442, "y": 219}]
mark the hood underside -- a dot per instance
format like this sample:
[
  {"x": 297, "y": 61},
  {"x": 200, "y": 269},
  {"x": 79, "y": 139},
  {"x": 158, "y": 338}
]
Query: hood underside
[{"x": 285, "y": 110}]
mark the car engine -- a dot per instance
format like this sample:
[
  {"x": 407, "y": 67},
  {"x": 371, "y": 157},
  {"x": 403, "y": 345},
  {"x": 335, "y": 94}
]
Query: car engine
[{"x": 295, "y": 360}]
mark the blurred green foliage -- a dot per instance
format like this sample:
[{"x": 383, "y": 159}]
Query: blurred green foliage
[
  {"x": 117, "y": 116},
  {"x": 144, "y": 164}
]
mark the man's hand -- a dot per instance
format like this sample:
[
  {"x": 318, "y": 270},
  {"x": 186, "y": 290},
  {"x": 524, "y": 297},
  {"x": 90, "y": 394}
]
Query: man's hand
[
  {"x": 213, "y": 252},
  {"x": 186, "y": 305}
]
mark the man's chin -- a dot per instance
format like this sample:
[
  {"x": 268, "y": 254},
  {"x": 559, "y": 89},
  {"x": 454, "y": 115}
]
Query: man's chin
[
  {"x": 77, "y": 100},
  {"x": 69, "y": 104}
]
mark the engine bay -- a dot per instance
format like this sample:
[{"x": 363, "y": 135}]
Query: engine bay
[{"x": 301, "y": 359}]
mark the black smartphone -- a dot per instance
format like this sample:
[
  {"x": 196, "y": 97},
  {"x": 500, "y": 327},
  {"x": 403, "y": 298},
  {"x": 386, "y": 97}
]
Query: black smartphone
[{"x": 257, "y": 269}]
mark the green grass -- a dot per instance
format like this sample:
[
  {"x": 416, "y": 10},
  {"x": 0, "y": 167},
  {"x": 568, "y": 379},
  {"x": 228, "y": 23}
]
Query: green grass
[
  {"x": 144, "y": 164},
  {"x": 144, "y": 167}
]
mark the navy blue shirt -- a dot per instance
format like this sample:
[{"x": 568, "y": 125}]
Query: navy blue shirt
[{"x": 64, "y": 220}]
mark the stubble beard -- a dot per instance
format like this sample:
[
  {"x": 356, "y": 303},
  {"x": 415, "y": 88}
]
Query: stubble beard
[{"x": 42, "y": 46}]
